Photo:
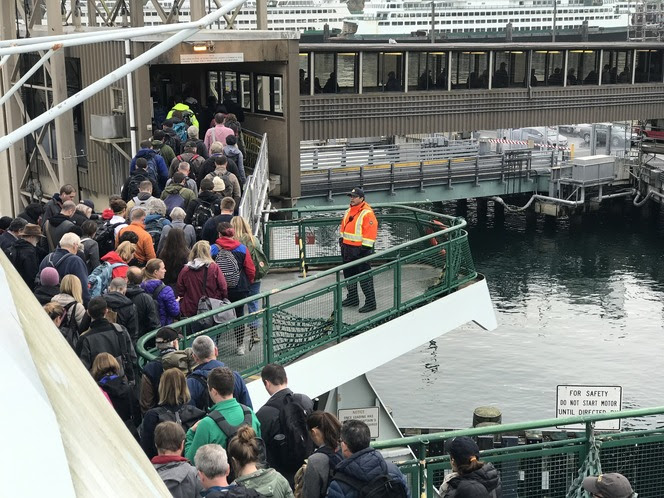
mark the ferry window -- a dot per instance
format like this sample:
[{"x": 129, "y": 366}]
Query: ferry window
[
  {"x": 304, "y": 74},
  {"x": 470, "y": 70},
  {"x": 547, "y": 68},
  {"x": 213, "y": 84},
  {"x": 509, "y": 69},
  {"x": 325, "y": 80},
  {"x": 382, "y": 72},
  {"x": 427, "y": 70},
  {"x": 583, "y": 67},
  {"x": 648, "y": 66},
  {"x": 245, "y": 85},
  {"x": 347, "y": 73},
  {"x": 229, "y": 85},
  {"x": 617, "y": 67},
  {"x": 268, "y": 94}
]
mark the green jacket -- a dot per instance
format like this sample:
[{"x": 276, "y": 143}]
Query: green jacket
[
  {"x": 267, "y": 482},
  {"x": 175, "y": 188},
  {"x": 209, "y": 432},
  {"x": 164, "y": 151}
]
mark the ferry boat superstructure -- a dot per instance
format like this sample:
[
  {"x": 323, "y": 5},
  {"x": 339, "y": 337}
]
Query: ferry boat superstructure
[
  {"x": 282, "y": 15},
  {"x": 403, "y": 17}
]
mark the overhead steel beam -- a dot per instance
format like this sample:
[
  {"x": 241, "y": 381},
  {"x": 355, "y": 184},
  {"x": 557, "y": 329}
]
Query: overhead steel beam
[{"x": 114, "y": 76}]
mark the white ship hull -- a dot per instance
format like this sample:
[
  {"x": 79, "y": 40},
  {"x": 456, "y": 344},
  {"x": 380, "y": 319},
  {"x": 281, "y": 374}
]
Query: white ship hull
[{"x": 403, "y": 17}]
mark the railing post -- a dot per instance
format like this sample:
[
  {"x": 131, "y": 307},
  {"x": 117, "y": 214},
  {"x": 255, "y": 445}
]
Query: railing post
[
  {"x": 343, "y": 157},
  {"x": 392, "y": 179},
  {"x": 421, "y": 457},
  {"x": 315, "y": 159},
  {"x": 338, "y": 309},
  {"x": 371, "y": 155},
  {"x": 329, "y": 184},
  {"x": 397, "y": 285},
  {"x": 268, "y": 331},
  {"x": 421, "y": 176},
  {"x": 585, "y": 449},
  {"x": 502, "y": 168},
  {"x": 449, "y": 173},
  {"x": 477, "y": 171}
]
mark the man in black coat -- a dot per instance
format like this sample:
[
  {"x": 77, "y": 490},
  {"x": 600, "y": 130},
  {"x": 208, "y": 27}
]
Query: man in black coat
[
  {"x": 146, "y": 308},
  {"x": 206, "y": 195},
  {"x": 33, "y": 213},
  {"x": 122, "y": 306},
  {"x": 24, "y": 254},
  {"x": 59, "y": 224},
  {"x": 10, "y": 235},
  {"x": 53, "y": 207},
  {"x": 106, "y": 337}
]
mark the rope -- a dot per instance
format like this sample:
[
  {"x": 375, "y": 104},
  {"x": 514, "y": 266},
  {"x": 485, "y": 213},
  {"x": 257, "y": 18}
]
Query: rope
[{"x": 591, "y": 467}]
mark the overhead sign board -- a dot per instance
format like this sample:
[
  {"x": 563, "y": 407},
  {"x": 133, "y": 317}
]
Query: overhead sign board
[
  {"x": 589, "y": 400},
  {"x": 211, "y": 58},
  {"x": 367, "y": 415}
]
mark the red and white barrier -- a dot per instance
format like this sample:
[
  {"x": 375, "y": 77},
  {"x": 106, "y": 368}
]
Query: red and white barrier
[{"x": 522, "y": 142}]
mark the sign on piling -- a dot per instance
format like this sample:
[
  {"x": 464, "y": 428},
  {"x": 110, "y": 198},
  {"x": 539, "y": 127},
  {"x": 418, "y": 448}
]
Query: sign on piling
[{"x": 589, "y": 400}]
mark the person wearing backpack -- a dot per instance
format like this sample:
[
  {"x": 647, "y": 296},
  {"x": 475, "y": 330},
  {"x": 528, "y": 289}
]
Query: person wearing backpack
[
  {"x": 167, "y": 304},
  {"x": 48, "y": 285},
  {"x": 205, "y": 354},
  {"x": 141, "y": 174},
  {"x": 25, "y": 255},
  {"x": 59, "y": 317},
  {"x": 244, "y": 452},
  {"x": 171, "y": 137},
  {"x": 176, "y": 194},
  {"x": 173, "y": 407},
  {"x": 189, "y": 156},
  {"x": 225, "y": 416},
  {"x": 145, "y": 245},
  {"x": 71, "y": 299},
  {"x": 205, "y": 206},
  {"x": 66, "y": 261},
  {"x": 142, "y": 198},
  {"x": 231, "y": 183},
  {"x": 235, "y": 262},
  {"x": 182, "y": 105},
  {"x": 364, "y": 472},
  {"x": 106, "y": 337},
  {"x": 179, "y": 476},
  {"x": 232, "y": 152},
  {"x": 283, "y": 421},
  {"x": 122, "y": 307},
  {"x": 156, "y": 166},
  {"x": 210, "y": 228},
  {"x": 60, "y": 224},
  {"x": 192, "y": 136},
  {"x": 218, "y": 133},
  {"x": 146, "y": 307},
  {"x": 470, "y": 477},
  {"x": 190, "y": 283},
  {"x": 312, "y": 480},
  {"x": 90, "y": 245},
  {"x": 185, "y": 168},
  {"x": 164, "y": 146}
]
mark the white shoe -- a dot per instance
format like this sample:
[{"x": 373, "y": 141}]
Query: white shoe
[{"x": 240, "y": 351}]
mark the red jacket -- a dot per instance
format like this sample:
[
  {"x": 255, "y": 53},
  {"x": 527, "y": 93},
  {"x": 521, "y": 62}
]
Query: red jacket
[
  {"x": 236, "y": 246},
  {"x": 190, "y": 286},
  {"x": 119, "y": 271}
]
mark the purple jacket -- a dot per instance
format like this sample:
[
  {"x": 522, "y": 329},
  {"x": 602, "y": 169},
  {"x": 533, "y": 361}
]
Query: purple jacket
[{"x": 169, "y": 308}]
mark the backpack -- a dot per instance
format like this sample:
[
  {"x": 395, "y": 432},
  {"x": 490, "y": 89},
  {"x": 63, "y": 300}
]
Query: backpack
[
  {"x": 68, "y": 325},
  {"x": 295, "y": 445},
  {"x": 174, "y": 200},
  {"x": 204, "y": 402},
  {"x": 202, "y": 213},
  {"x": 239, "y": 491},
  {"x": 154, "y": 228},
  {"x": 140, "y": 203},
  {"x": 230, "y": 267},
  {"x": 185, "y": 417},
  {"x": 382, "y": 486},
  {"x": 101, "y": 277},
  {"x": 182, "y": 359},
  {"x": 105, "y": 236},
  {"x": 186, "y": 118},
  {"x": 228, "y": 185},
  {"x": 134, "y": 184},
  {"x": 192, "y": 170},
  {"x": 172, "y": 142},
  {"x": 261, "y": 263},
  {"x": 181, "y": 130},
  {"x": 298, "y": 481}
]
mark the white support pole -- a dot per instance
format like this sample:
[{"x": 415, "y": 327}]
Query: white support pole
[
  {"x": 109, "y": 79},
  {"x": 130, "y": 101},
  {"x": 4, "y": 60},
  {"x": 17, "y": 86}
]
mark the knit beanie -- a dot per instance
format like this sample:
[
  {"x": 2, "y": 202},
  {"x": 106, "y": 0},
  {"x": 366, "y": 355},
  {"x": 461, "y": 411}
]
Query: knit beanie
[{"x": 49, "y": 276}]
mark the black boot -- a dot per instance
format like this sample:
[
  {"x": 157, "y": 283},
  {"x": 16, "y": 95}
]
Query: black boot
[
  {"x": 369, "y": 294},
  {"x": 352, "y": 299}
]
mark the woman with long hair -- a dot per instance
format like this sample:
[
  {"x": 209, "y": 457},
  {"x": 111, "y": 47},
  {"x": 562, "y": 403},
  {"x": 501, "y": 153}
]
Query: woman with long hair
[
  {"x": 244, "y": 235},
  {"x": 174, "y": 255},
  {"x": 71, "y": 299},
  {"x": 324, "y": 429},
  {"x": 173, "y": 398},
  {"x": 190, "y": 280},
  {"x": 106, "y": 372},
  {"x": 470, "y": 476},
  {"x": 120, "y": 257},
  {"x": 177, "y": 221},
  {"x": 243, "y": 456},
  {"x": 153, "y": 276}
]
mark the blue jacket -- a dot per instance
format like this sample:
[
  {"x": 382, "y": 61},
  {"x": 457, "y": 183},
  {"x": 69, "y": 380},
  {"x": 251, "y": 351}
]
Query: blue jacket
[
  {"x": 71, "y": 264},
  {"x": 240, "y": 392},
  {"x": 364, "y": 465},
  {"x": 167, "y": 305},
  {"x": 162, "y": 169}
]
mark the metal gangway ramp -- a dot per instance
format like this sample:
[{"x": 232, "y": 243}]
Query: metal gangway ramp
[{"x": 425, "y": 281}]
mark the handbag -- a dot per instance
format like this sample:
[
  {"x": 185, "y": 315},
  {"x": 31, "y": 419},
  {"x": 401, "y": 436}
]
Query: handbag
[{"x": 206, "y": 303}]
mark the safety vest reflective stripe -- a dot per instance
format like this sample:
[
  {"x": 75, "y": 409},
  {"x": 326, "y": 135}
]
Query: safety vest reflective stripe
[{"x": 358, "y": 229}]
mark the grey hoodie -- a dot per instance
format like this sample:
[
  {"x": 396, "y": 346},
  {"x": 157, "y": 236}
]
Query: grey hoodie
[
  {"x": 181, "y": 479},
  {"x": 232, "y": 152}
]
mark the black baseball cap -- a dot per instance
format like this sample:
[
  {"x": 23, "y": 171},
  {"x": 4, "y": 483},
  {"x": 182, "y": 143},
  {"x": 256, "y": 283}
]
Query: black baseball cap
[
  {"x": 462, "y": 449},
  {"x": 166, "y": 335},
  {"x": 356, "y": 192}
]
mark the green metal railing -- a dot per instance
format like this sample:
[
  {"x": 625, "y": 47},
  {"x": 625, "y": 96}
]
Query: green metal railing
[
  {"x": 416, "y": 260},
  {"x": 551, "y": 468}
]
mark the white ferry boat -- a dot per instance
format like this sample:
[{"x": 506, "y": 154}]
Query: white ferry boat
[
  {"x": 282, "y": 15},
  {"x": 403, "y": 17}
]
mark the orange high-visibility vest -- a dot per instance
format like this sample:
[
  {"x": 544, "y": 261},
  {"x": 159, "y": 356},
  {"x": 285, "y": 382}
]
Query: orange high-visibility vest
[{"x": 359, "y": 226}]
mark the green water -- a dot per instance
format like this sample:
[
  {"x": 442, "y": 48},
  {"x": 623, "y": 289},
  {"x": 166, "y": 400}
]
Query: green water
[{"x": 577, "y": 303}]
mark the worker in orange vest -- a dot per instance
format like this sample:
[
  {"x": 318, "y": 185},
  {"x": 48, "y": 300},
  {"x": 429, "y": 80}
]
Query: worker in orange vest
[{"x": 359, "y": 229}]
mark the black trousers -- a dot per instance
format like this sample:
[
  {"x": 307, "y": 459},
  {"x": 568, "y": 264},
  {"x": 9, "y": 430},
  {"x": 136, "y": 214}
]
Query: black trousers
[{"x": 352, "y": 253}]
